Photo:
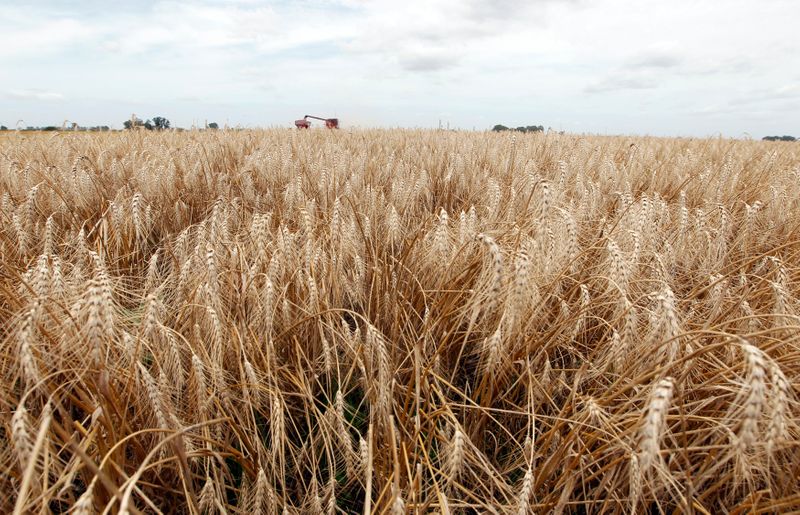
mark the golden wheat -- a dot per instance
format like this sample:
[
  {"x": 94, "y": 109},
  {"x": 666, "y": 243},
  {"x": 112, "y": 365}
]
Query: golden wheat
[{"x": 394, "y": 321}]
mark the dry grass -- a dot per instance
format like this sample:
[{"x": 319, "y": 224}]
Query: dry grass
[{"x": 398, "y": 321}]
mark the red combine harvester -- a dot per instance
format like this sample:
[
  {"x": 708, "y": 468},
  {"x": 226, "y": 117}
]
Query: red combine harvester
[{"x": 331, "y": 123}]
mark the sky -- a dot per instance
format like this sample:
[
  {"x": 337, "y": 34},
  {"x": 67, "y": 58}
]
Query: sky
[{"x": 666, "y": 67}]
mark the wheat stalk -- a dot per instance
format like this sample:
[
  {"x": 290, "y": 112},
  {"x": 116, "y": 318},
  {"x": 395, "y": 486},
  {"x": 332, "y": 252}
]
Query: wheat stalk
[
  {"x": 754, "y": 397},
  {"x": 654, "y": 424}
]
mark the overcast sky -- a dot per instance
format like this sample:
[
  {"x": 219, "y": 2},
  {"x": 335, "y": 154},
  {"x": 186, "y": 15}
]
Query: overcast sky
[{"x": 662, "y": 67}]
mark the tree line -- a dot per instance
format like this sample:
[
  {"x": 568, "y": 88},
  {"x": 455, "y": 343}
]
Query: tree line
[
  {"x": 527, "y": 128},
  {"x": 74, "y": 127},
  {"x": 779, "y": 138},
  {"x": 158, "y": 123}
]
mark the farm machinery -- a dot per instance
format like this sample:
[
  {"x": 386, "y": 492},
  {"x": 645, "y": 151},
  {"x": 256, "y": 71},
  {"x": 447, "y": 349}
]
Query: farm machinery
[{"x": 330, "y": 123}]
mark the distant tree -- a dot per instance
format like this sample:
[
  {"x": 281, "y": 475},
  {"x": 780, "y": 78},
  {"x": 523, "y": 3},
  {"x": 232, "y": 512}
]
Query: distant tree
[
  {"x": 148, "y": 125},
  {"x": 3, "y": 128},
  {"x": 50, "y": 128},
  {"x": 213, "y": 125},
  {"x": 779, "y": 138},
  {"x": 133, "y": 123},
  {"x": 160, "y": 123},
  {"x": 528, "y": 128}
]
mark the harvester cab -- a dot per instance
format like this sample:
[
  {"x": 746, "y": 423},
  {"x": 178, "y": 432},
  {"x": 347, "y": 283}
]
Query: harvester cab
[{"x": 330, "y": 123}]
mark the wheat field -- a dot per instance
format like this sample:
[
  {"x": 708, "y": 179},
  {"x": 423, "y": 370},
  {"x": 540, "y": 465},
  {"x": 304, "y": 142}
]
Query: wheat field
[{"x": 398, "y": 321}]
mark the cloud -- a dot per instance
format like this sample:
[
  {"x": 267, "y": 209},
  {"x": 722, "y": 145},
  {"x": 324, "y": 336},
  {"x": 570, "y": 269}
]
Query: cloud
[
  {"x": 34, "y": 94},
  {"x": 650, "y": 60},
  {"x": 414, "y": 36},
  {"x": 707, "y": 66},
  {"x": 761, "y": 96},
  {"x": 483, "y": 10},
  {"x": 757, "y": 102},
  {"x": 43, "y": 37},
  {"x": 260, "y": 62},
  {"x": 789, "y": 91},
  {"x": 423, "y": 36},
  {"x": 618, "y": 82},
  {"x": 426, "y": 61},
  {"x": 659, "y": 55},
  {"x": 645, "y": 69}
]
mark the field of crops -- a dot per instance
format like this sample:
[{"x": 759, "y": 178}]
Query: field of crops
[{"x": 398, "y": 322}]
